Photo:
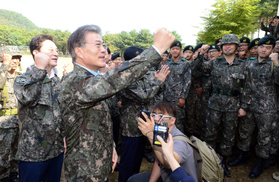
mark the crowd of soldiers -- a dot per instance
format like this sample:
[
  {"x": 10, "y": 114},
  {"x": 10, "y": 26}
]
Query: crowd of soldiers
[{"x": 223, "y": 93}]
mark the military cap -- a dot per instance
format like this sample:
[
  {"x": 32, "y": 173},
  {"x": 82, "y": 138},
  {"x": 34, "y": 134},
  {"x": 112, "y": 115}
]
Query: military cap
[
  {"x": 9, "y": 50},
  {"x": 253, "y": 43},
  {"x": 188, "y": 47},
  {"x": 115, "y": 55},
  {"x": 198, "y": 46},
  {"x": 276, "y": 39},
  {"x": 132, "y": 52},
  {"x": 218, "y": 40},
  {"x": 244, "y": 40},
  {"x": 176, "y": 44},
  {"x": 230, "y": 39},
  {"x": 269, "y": 40},
  {"x": 213, "y": 46}
]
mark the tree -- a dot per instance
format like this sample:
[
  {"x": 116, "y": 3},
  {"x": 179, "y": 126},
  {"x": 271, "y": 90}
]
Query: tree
[{"x": 231, "y": 16}]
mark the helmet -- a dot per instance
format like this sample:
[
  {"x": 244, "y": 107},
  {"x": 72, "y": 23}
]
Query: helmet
[
  {"x": 11, "y": 50},
  {"x": 230, "y": 39}
]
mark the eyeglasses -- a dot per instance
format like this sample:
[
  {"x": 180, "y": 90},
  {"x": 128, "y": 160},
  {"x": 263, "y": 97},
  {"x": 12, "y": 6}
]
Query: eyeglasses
[
  {"x": 159, "y": 116},
  {"x": 98, "y": 45},
  {"x": 211, "y": 52}
]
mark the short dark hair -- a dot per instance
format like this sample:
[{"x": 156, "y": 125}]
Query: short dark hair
[
  {"x": 166, "y": 107},
  {"x": 36, "y": 42},
  {"x": 77, "y": 38}
]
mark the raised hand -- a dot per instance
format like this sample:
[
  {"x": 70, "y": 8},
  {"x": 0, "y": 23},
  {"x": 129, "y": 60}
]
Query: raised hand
[{"x": 163, "y": 73}]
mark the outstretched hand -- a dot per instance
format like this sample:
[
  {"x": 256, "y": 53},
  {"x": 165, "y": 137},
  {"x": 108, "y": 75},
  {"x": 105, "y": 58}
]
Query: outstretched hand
[{"x": 163, "y": 73}]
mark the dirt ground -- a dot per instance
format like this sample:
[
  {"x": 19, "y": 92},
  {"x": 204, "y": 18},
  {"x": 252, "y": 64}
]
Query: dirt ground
[{"x": 239, "y": 174}]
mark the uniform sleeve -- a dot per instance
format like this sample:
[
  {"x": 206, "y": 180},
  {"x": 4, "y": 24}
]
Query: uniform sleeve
[
  {"x": 187, "y": 82},
  {"x": 4, "y": 68},
  {"x": 276, "y": 74},
  {"x": 147, "y": 89},
  {"x": 180, "y": 175},
  {"x": 27, "y": 87},
  {"x": 89, "y": 90},
  {"x": 264, "y": 28},
  {"x": 245, "y": 96}
]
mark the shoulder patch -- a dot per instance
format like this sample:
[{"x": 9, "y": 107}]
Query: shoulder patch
[{"x": 21, "y": 80}]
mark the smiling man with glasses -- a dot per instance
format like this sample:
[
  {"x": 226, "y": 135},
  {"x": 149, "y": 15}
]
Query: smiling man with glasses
[{"x": 88, "y": 128}]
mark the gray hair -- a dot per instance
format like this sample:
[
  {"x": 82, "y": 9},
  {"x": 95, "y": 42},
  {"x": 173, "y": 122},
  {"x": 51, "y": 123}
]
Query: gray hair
[{"x": 77, "y": 38}]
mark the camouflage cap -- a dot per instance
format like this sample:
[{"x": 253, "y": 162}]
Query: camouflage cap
[
  {"x": 253, "y": 43},
  {"x": 230, "y": 39},
  {"x": 9, "y": 50}
]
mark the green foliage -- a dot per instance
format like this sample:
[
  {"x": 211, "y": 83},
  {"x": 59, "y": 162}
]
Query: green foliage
[
  {"x": 16, "y": 20},
  {"x": 230, "y": 16},
  {"x": 268, "y": 8}
]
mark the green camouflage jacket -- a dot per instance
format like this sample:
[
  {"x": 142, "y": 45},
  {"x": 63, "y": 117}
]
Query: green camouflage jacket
[
  {"x": 88, "y": 126},
  {"x": 263, "y": 77},
  {"x": 227, "y": 85},
  {"x": 40, "y": 121},
  {"x": 135, "y": 98},
  {"x": 178, "y": 81}
]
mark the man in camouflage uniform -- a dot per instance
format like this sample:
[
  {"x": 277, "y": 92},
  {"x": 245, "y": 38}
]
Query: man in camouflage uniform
[
  {"x": 228, "y": 101},
  {"x": 41, "y": 146},
  {"x": 178, "y": 83},
  {"x": 193, "y": 103},
  {"x": 243, "y": 48},
  {"x": 8, "y": 112},
  {"x": 263, "y": 77},
  {"x": 135, "y": 99},
  {"x": 253, "y": 47},
  {"x": 88, "y": 126},
  {"x": 213, "y": 52}
]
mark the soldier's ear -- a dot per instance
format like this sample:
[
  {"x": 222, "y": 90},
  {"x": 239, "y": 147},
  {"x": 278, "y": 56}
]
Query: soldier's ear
[
  {"x": 35, "y": 52},
  {"x": 79, "y": 52}
]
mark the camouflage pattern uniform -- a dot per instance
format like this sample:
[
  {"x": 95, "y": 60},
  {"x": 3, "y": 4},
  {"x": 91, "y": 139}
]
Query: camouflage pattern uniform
[
  {"x": 262, "y": 78},
  {"x": 228, "y": 96},
  {"x": 40, "y": 122},
  {"x": 206, "y": 92},
  {"x": 135, "y": 98},
  {"x": 8, "y": 123},
  {"x": 88, "y": 126},
  {"x": 193, "y": 120},
  {"x": 178, "y": 84}
]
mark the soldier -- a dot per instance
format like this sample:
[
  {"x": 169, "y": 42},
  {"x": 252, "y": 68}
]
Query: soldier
[
  {"x": 253, "y": 47},
  {"x": 41, "y": 146},
  {"x": 8, "y": 112},
  {"x": 193, "y": 103},
  {"x": 228, "y": 102},
  {"x": 213, "y": 52},
  {"x": 87, "y": 121},
  {"x": 116, "y": 58},
  {"x": 263, "y": 77},
  {"x": 197, "y": 50},
  {"x": 178, "y": 83},
  {"x": 243, "y": 49},
  {"x": 136, "y": 98},
  {"x": 188, "y": 53}
]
